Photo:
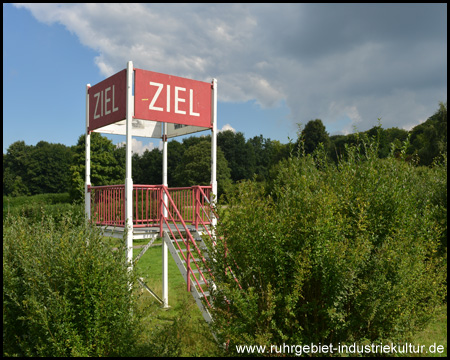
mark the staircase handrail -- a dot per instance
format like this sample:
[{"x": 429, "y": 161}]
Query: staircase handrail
[
  {"x": 204, "y": 211},
  {"x": 186, "y": 243},
  {"x": 210, "y": 236}
]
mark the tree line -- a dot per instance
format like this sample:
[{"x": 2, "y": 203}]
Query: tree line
[{"x": 57, "y": 168}]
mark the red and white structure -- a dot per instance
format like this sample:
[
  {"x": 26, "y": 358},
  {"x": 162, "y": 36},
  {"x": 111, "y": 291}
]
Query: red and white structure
[{"x": 136, "y": 102}]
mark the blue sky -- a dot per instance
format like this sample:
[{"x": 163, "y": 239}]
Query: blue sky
[{"x": 276, "y": 65}]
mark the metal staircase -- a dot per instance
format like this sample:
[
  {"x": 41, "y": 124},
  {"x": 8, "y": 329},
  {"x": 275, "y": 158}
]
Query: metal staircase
[
  {"x": 190, "y": 259},
  {"x": 158, "y": 209},
  {"x": 190, "y": 253}
]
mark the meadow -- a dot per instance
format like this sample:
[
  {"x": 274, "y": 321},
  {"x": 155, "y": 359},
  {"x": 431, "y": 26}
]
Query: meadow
[{"x": 66, "y": 291}]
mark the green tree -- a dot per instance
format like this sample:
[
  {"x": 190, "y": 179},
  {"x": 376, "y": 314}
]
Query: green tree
[
  {"x": 429, "y": 139},
  {"x": 264, "y": 153},
  {"x": 392, "y": 135},
  {"x": 195, "y": 167},
  {"x": 313, "y": 134},
  {"x": 147, "y": 168},
  {"x": 175, "y": 151},
  {"x": 15, "y": 164},
  {"x": 48, "y": 168},
  {"x": 136, "y": 168},
  {"x": 106, "y": 169},
  {"x": 338, "y": 144},
  {"x": 239, "y": 154},
  {"x": 31, "y": 170},
  {"x": 280, "y": 151}
]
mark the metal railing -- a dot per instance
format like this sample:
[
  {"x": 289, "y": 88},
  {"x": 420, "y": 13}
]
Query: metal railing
[
  {"x": 190, "y": 247},
  {"x": 156, "y": 206},
  {"x": 108, "y": 205}
]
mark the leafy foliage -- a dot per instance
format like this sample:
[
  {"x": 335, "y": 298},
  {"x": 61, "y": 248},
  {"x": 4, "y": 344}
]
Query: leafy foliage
[
  {"x": 344, "y": 253},
  {"x": 147, "y": 168},
  {"x": 48, "y": 168},
  {"x": 65, "y": 293},
  {"x": 106, "y": 166},
  {"x": 195, "y": 167},
  {"x": 32, "y": 207},
  {"x": 312, "y": 135},
  {"x": 239, "y": 154},
  {"x": 429, "y": 139},
  {"x": 30, "y": 170},
  {"x": 264, "y": 150}
]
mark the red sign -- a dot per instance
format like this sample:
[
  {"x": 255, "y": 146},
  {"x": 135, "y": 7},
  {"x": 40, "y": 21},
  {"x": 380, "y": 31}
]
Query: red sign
[
  {"x": 167, "y": 98},
  {"x": 108, "y": 101}
]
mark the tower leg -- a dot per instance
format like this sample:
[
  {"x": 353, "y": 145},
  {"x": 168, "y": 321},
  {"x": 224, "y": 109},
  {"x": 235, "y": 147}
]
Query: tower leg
[{"x": 165, "y": 277}]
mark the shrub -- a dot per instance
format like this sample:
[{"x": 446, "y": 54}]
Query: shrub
[
  {"x": 336, "y": 253},
  {"x": 65, "y": 293},
  {"x": 33, "y": 207}
]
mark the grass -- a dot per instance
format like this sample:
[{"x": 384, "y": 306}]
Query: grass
[
  {"x": 435, "y": 333},
  {"x": 187, "y": 332},
  {"x": 149, "y": 267},
  {"x": 190, "y": 332}
]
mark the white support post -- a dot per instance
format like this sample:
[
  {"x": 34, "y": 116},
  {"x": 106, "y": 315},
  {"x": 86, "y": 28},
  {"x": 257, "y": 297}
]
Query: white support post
[
  {"x": 214, "y": 147},
  {"x": 165, "y": 268},
  {"x": 128, "y": 178},
  {"x": 87, "y": 195}
]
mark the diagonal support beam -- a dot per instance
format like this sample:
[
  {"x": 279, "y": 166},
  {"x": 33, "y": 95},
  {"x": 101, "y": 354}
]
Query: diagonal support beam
[
  {"x": 144, "y": 285},
  {"x": 144, "y": 249}
]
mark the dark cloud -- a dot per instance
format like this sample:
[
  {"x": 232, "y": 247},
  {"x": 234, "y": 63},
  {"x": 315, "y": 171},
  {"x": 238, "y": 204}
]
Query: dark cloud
[
  {"x": 316, "y": 30},
  {"x": 327, "y": 61}
]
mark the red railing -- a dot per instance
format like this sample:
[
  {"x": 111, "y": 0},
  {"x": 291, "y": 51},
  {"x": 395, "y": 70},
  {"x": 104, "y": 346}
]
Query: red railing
[
  {"x": 189, "y": 243},
  {"x": 150, "y": 203},
  {"x": 108, "y": 205},
  {"x": 146, "y": 205},
  {"x": 187, "y": 201}
]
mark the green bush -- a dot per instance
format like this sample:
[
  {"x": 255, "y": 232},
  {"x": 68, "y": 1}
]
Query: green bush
[
  {"x": 65, "y": 293},
  {"x": 336, "y": 254},
  {"x": 32, "y": 207},
  {"x": 18, "y": 201}
]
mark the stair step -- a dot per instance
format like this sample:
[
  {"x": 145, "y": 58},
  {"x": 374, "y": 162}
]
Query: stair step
[
  {"x": 184, "y": 250},
  {"x": 177, "y": 240},
  {"x": 204, "y": 294},
  {"x": 195, "y": 271},
  {"x": 182, "y": 268},
  {"x": 181, "y": 240},
  {"x": 195, "y": 259}
]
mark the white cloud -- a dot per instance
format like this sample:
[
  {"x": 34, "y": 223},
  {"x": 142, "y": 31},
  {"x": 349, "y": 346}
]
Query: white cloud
[
  {"x": 360, "y": 61},
  {"x": 227, "y": 127},
  {"x": 137, "y": 146}
]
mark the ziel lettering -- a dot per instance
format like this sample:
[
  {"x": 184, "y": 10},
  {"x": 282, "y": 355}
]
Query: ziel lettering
[
  {"x": 103, "y": 98},
  {"x": 177, "y": 99}
]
